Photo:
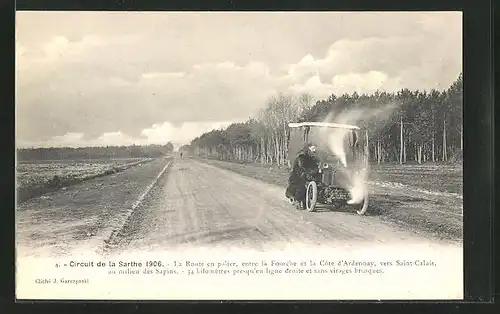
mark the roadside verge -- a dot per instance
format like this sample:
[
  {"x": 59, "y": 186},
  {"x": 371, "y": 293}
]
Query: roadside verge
[
  {"x": 116, "y": 235},
  {"x": 83, "y": 216}
]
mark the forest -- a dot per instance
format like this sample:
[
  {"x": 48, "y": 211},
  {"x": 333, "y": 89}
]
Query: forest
[
  {"x": 407, "y": 126},
  {"x": 108, "y": 152}
]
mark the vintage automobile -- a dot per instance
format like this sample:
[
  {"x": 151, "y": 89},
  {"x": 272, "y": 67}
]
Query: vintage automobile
[{"x": 342, "y": 152}]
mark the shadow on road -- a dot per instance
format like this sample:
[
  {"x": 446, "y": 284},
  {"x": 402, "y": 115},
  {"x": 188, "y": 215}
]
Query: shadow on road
[{"x": 322, "y": 208}]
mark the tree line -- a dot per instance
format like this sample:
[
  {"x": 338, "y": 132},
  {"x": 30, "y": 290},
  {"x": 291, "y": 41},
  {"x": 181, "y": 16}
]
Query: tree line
[
  {"x": 108, "y": 152},
  {"x": 422, "y": 126}
]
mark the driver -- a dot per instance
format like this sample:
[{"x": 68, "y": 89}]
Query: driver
[{"x": 305, "y": 168}]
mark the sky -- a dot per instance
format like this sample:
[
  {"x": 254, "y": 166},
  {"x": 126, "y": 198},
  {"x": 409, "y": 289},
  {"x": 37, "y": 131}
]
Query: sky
[{"x": 122, "y": 78}]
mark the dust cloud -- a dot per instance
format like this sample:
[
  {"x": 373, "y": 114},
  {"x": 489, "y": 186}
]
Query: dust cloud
[{"x": 338, "y": 142}]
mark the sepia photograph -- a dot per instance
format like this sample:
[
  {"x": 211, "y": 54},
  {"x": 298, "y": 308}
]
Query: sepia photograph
[{"x": 239, "y": 155}]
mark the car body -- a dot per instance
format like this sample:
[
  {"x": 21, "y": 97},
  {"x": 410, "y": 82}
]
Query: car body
[{"x": 342, "y": 152}]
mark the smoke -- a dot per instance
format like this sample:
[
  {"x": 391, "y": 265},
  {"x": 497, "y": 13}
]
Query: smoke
[
  {"x": 358, "y": 188},
  {"x": 357, "y": 171},
  {"x": 335, "y": 140}
]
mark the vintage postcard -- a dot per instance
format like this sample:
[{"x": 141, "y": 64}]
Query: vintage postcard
[{"x": 239, "y": 155}]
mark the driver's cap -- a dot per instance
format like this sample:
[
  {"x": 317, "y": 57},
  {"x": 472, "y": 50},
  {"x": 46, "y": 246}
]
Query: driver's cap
[{"x": 312, "y": 147}]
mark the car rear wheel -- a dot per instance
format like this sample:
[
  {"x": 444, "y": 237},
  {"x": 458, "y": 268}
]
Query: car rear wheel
[{"x": 311, "y": 196}]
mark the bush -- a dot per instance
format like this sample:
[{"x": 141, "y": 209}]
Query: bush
[{"x": 457, "y": 158}]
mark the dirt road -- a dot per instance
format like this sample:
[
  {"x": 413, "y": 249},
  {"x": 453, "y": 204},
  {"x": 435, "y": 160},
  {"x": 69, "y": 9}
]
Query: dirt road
[{"x": 180, "y": 203}]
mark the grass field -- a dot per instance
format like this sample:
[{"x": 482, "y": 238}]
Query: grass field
[
  {"x": 446, "y": 178},
  {"x": 34, "y": 178}
]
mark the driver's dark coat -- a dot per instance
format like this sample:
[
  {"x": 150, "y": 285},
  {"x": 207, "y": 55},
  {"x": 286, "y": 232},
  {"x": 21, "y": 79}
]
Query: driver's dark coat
[{"x": 305, "y": 168}]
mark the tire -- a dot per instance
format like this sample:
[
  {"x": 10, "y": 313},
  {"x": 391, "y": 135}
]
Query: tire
[
  {"x": 363, "y": 206},
  {"x": 311, "y": 196}
]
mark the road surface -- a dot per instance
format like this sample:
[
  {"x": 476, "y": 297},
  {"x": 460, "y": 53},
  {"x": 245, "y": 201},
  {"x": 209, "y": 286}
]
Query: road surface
[{"x": 180, "y": 203}]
